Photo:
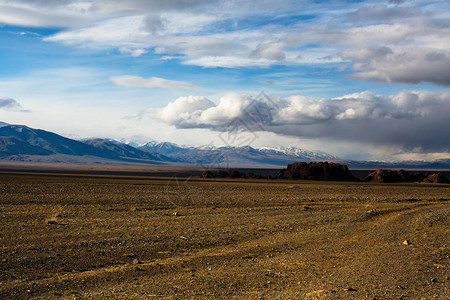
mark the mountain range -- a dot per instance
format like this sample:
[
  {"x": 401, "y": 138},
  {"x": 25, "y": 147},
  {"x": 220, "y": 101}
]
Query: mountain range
[
  {"x": 234, "y": 156},
  {"x": 22, "y": 143}
]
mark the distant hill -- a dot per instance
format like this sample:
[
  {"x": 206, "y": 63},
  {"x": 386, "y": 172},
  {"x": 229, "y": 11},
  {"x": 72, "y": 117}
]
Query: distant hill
[
  {"x": 114, "y": 149},
  {"x": 19, "y": 141},
  {"x": 23, "y": 140},
  {"x": 441, "y": 164}
]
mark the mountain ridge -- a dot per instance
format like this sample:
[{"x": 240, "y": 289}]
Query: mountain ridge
[
  {"x": 228, "y": 155},
  {"x": 18, "y": 141},
  {"x": 22, "y": 143}
]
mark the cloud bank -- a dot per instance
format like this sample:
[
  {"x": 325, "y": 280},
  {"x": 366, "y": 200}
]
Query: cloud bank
[{"x": 409, "y": 119}]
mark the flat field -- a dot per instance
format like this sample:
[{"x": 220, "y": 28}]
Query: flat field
[{"x": 100, "y": 237}]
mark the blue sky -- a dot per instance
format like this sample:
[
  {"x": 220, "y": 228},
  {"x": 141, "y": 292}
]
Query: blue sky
[{"x": 357, "y": 79}]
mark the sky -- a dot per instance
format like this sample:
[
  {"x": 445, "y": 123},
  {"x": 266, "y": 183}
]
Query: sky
[{"x": 356, "y": 79}]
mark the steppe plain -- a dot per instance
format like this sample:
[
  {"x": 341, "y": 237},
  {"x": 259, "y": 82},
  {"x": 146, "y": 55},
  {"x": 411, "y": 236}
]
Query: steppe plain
[{"x": 124, "y": 237}]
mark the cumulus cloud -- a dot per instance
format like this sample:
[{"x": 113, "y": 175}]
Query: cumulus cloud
[
  {"x": 409, "y": 119},
  {"x": 200, "y": 112},
  {"x": 184, "y": 111},
  {"x": 403, "y": 65},
  {"x": 387, "y": 43},
  {"x": 409, "y": 46},
  {"x": 11, "y": 104},
  {"x": 152, "y": 82}
]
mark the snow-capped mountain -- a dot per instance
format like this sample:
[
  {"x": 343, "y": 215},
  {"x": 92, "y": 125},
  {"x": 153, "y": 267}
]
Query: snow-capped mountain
[
  {"x": 297, "y": 152},
  {"x": 234, "y": 156}
]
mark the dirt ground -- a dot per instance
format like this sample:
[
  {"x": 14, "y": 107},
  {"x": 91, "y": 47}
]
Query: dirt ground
[{"x": 100, "y": 237}]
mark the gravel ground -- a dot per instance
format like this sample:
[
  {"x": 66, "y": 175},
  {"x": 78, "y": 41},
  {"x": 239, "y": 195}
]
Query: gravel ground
[{"x": 98, "y": 237}]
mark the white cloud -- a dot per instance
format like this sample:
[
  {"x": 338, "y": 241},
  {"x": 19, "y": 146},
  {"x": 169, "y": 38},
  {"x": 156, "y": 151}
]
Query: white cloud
[
  {"x": 126, "y": 31},
  {"x": 74, "y": 13},
  {"x": 152, "y": 82},
  {"x": 192, "y": 41},
  {"x": 227, "y": 62},
  {"x": 168, "y": 57},
  {"x": 270, "y": 51},
  {"x": 38, "y": 13},
  {"x": 185, "y": 111},
  {"x": 191, "y": 23},
  {"x": 132, "y": 52}
]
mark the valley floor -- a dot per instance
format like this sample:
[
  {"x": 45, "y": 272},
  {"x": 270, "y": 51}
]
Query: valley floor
[{"x": 99, "y": 237}]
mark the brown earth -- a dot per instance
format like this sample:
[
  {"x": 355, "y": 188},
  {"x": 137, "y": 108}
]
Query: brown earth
[{"x": 100, "y": 237}]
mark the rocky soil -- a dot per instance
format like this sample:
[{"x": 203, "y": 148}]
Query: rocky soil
[{"x": 94, "y": 237}]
